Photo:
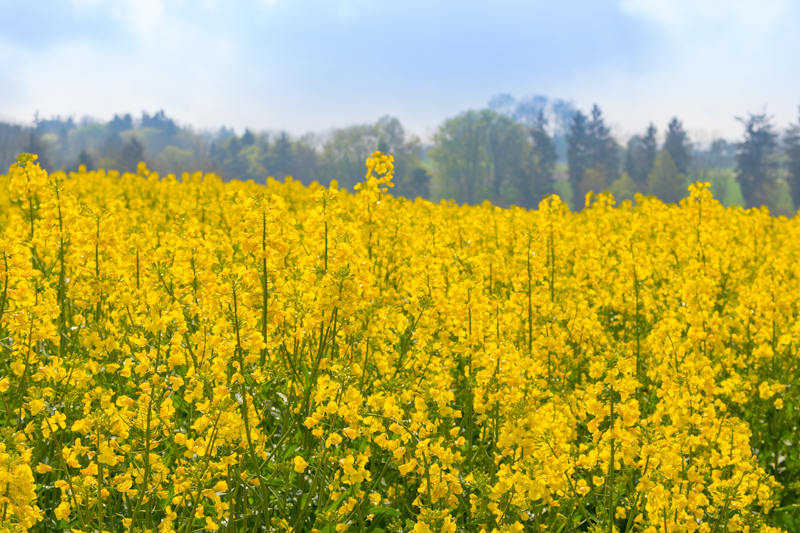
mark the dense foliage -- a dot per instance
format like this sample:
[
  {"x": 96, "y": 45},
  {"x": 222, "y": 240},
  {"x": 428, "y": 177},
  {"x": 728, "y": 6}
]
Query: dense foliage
[{"x": 186, "y": 355}]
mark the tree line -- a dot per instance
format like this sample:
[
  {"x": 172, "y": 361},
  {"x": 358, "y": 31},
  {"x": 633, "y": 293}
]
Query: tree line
[
  {"x": 513, "y": 152},
  {"x": 508, "y": 156},
  {"x": 64, "y": 144}
]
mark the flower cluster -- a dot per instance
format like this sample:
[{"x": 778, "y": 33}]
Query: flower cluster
[{"x": 185, "y": 354}]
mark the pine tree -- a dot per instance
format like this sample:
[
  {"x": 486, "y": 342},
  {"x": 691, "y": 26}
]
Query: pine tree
[
  {"x": 280, "y": 157},
  {"x": 602, "y": 147},
  {"x": 86, "y": 160},
  {"x": 650, "y": 149},
  {"x": 678, "y": 145},
  {"x": 119, "y": 124},
  {"x": 791, "y": 143},
  {"x": 756, "y": 164},
  {"x": 640, "y": 156},
  {"x": 577, "y": 151},
  {"x": 132, "y": 154},
  {"x": 634, "y": 159},
  {"x": 248, "y": 139},
  {"x": 537, "y": 179}
]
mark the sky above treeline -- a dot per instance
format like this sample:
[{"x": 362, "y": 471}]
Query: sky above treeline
[{"x": 311, "y": 65}]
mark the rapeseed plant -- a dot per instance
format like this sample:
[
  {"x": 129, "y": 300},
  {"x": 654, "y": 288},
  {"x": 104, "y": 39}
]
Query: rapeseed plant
[{"x": 186, "y": 354}]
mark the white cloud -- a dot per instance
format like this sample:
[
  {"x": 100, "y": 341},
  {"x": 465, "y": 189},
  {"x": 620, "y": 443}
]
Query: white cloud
[
  {"x": 195, "y": 73},
  {"x": 684, "y": 16},
  {"x": 139, "y": 17},
  {"x": 144, "y": 18},
  {"x": 207, "y": 64}
]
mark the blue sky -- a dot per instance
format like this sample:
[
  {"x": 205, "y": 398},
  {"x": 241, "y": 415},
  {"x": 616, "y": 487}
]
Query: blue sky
[{"x": 306, "y": 65}]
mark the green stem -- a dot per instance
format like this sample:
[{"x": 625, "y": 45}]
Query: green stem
[
  {"x": 245, "y": 413},
  {"x": 610, "y": 484}
]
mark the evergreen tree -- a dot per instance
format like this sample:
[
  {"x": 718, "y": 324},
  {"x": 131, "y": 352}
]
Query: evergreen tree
[
  {"x": 650, "y": 149},
  {"x": 634, "y": 152},
  {"x": 231, "y": 162},
  {"x": 544, "y": 150},
  {"x": 640, "y": 156},
  {"x": 281, "y": 157},
  {"x": 38, "y": 147},
  {"x": 86, "y": 160},
  {"x": 112, "y": 147},
  {"x": 756, "y": 164},
  {"x": 160, "y": 122},
  {"x": 119, "y": 124},
  {"x": 665, "y": 181},
  {"x": 132, "y": 154},
  {"x": 536, "y": 173},
  {"x": 578, "y": 157},
  {"x": 248, "y": 139},
  {"x": 602, "y": 147},
  {"x": 791, "y": 143},
  {"x": 678, "y": 145}
]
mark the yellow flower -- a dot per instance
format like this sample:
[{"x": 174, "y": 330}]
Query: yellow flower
[
  {"x": 408, "y": 467},
  {"x": 90, "y": 470},
  {"x": 106, "y": 455},
  {"x": 192, "y": 330},
  {"x": 300, "y": 464},
  {"x": 333, "y": 440},
  {"x": 62, "y": 511}
]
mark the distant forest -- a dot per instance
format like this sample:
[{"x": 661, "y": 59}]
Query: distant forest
[{"x": 513, "y": 152}]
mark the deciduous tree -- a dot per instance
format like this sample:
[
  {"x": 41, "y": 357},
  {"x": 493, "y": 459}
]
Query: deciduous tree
[
  {"x": 665, "y": 181},
  {"x": 460, "y": 156}
]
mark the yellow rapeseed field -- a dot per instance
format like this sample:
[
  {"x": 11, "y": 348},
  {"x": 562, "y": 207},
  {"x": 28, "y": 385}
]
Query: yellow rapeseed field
[{"x": 188, "y": 355}]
